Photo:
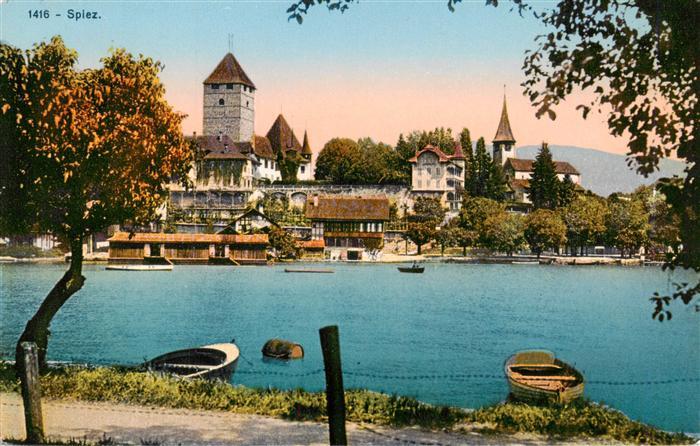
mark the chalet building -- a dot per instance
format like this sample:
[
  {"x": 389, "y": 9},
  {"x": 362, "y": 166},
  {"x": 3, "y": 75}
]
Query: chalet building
[
  {"x": 348, "y": 226},
  {"x": 436, "y": 174},
  {"x": 518, "y": 171},
  {"x": 251, "y": 221},
  {"x": 189, "y": 248}
]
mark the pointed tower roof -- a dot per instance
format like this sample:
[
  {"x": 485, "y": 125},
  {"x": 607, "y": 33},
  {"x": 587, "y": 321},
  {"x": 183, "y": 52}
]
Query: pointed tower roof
[
  {"x": 504, "y": 133},
  {"x": 305, "y": 147},
  {"x": 282, "y": 137},
  {"x": 458, "y": 155},
  {"x": 229, "y": 71}
]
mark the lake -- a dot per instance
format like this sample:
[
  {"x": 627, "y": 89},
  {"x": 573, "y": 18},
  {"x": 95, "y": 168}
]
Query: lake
[{"x": 441, "y": 337}]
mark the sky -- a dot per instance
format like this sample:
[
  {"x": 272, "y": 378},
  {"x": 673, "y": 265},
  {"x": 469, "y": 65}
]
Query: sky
[{"x": 382, "y": 68}]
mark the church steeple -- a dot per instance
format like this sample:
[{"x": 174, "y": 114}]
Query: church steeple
[
  {"x": 305, "y": 147},
  {"x": 504, "y": 140}
]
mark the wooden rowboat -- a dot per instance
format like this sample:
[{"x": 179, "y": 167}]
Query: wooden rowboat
[
  {"x": 537, "y": 376},
  {"x": 411, "y": 269},
  {"x": 292, "y": 270},
  {"x": 215, "y": 361}
]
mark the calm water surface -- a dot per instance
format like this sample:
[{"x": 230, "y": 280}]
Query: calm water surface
[{"x": 454, "y": 319}]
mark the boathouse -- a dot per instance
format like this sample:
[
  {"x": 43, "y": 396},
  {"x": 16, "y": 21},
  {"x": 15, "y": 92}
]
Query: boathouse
[
  {"x": 348, "y": 226},
  {"x": 234, "y": 249}
]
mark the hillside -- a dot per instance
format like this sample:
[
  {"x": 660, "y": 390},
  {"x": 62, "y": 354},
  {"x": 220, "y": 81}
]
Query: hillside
[{"x": 603, "y": 172}]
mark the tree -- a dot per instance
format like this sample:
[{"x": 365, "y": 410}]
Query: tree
[
  {"x": 544, "y": 184},
  {"x": 373, "y": 246},
  {"x": 420, "y": 233},
  {"x": 566, "y": 192},
  {"x": 336, "y": 160},
  {"x": 465, "y": 141},
  {"x": 627, "y": 225},
  {"x": 504, "y": 232},
  {"x": 474, "y": 213},
  {"x": 283, "y": 244},
  {"x": 379, "y": 163},
  {"x": 89, "y": 149},
  {"x": 463, "y": 238},
  {"x": 480, "y": 170},
  {"x": 496, "y": 183},
  {"x": 544, "y": 229},
  {"x": 404, "y": 152},
  {"x": 585, "y": 220},
  {"x": 444, "y": 237},
  {"x": 429, "y": 210},
  {"x": 289, "y": 165}
]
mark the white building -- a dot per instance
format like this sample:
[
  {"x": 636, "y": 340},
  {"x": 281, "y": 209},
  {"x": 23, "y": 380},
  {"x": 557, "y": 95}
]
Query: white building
[{"x": 434, "y": 173}]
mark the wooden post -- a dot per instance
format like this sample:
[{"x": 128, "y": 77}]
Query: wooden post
[
  {"x": 335, "y": 395},
  {"x": 31, "y": 394}
]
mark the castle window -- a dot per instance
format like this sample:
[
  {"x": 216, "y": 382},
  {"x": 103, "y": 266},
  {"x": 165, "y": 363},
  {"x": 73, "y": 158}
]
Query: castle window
[
  {"x": 246, "y": 103},
  {"x": 214, "y": 86},
  {"x": 303, "y": 168},
  {"x": 221, "y": 102},
  {"x": 229, "y": 86}
]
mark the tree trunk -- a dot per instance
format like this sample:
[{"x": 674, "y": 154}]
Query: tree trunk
[
  {"x": 37, "y": 329},
  {"x": 464, "y": 251},
  {"x": 419, "y": 246}
]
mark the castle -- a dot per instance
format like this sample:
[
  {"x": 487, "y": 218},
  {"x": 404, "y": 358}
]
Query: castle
[{"x": 234, "y": 167}]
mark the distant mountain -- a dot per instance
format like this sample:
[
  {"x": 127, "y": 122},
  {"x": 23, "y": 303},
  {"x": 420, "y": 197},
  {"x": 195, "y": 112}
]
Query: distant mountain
[{"x": 603, "y": 172}]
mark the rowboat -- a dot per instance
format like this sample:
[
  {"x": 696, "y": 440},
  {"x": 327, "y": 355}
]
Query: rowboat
[
  {"x": 537, "y": 376},
  {"x": 525, "y": 262},
  {"x": 412, "y": 269},
  {"x": 322, "y": 271},
  {"x": 139, "y": 267},
  {"x": 215, "y": 361}
]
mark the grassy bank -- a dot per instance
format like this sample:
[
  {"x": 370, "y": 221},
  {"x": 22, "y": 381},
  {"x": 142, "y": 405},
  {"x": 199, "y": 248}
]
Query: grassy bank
[{"x": 580, "y": 420}]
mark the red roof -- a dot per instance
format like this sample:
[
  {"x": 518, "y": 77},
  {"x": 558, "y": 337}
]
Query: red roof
[
  {"x": 442, "y": 157},
  {"x": 229, "y": 71},
  {"x": 311, "y": 244},
  {"x": 522, "y": 165},
  {"x": 347, "y": 208},
  {"x": 159, "y": 237},
  {"x": 282, "y": 138},
  {"x": 458, "y": 155}
]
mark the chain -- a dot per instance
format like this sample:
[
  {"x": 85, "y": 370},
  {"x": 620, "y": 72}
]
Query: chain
[{"x": 90, "y": 361}]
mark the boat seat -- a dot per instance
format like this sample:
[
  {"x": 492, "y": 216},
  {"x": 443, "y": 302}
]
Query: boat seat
[{"x": 189, "y": 366}]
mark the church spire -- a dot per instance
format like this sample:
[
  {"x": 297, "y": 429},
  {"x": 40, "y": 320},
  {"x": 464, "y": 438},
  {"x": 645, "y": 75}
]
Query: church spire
[
  {"x": 504, "y": 133},
  {"x": 305, "y": 147}
]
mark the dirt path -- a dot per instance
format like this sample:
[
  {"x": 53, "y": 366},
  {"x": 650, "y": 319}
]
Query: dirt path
[{"x": 137, "y": 424}]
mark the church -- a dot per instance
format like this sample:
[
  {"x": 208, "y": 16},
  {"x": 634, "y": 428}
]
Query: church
[{"x": 518, "y": 171}]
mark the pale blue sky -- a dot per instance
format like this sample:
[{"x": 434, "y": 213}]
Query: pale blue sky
[{"x": 418, "y": 52}]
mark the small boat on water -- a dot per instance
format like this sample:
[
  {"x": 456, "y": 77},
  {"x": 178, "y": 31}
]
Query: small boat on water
[
  {"x": 525, "y": 262},
  {"x": 415, "y": 268},
  {"x": 321, "y": 271},
  {"x": 139, "y": 267},
  {"x": 537, "y": 376},
  {"x": 211, "y": 362}
]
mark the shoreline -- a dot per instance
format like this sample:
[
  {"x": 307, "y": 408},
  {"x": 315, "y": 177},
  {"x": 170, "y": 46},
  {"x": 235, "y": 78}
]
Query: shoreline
[{"x": 391, "y": 258}]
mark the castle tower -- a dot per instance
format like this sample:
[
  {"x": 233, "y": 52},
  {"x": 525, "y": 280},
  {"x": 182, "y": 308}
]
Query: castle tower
[
  {"x": 503, "y": 142},
  {"x": 229, "y": 102}
]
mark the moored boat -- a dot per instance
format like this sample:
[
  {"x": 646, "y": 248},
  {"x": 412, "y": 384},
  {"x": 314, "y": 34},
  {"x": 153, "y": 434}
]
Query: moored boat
[
  {"x": 525, "y": 262},
  {"x": 322, "y": 271},
  {"x": 139, "y": 267},
  {"x": 215, "y": 361},
  {"x": 537, "y": 376}
]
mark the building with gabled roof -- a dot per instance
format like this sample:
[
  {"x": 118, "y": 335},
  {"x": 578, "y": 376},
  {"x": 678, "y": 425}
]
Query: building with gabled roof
[
  {"x": 348, "y": 225},
  {"x": 437, "y": 174}
]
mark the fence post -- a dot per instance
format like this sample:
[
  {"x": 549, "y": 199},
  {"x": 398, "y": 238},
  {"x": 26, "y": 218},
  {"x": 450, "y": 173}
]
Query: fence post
[
  {"x": 31, "y": 394},
  {"x": 335, "y": 395}
]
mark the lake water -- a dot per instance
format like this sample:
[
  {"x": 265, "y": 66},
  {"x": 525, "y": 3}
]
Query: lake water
[{"x": 409, "y": 334}]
